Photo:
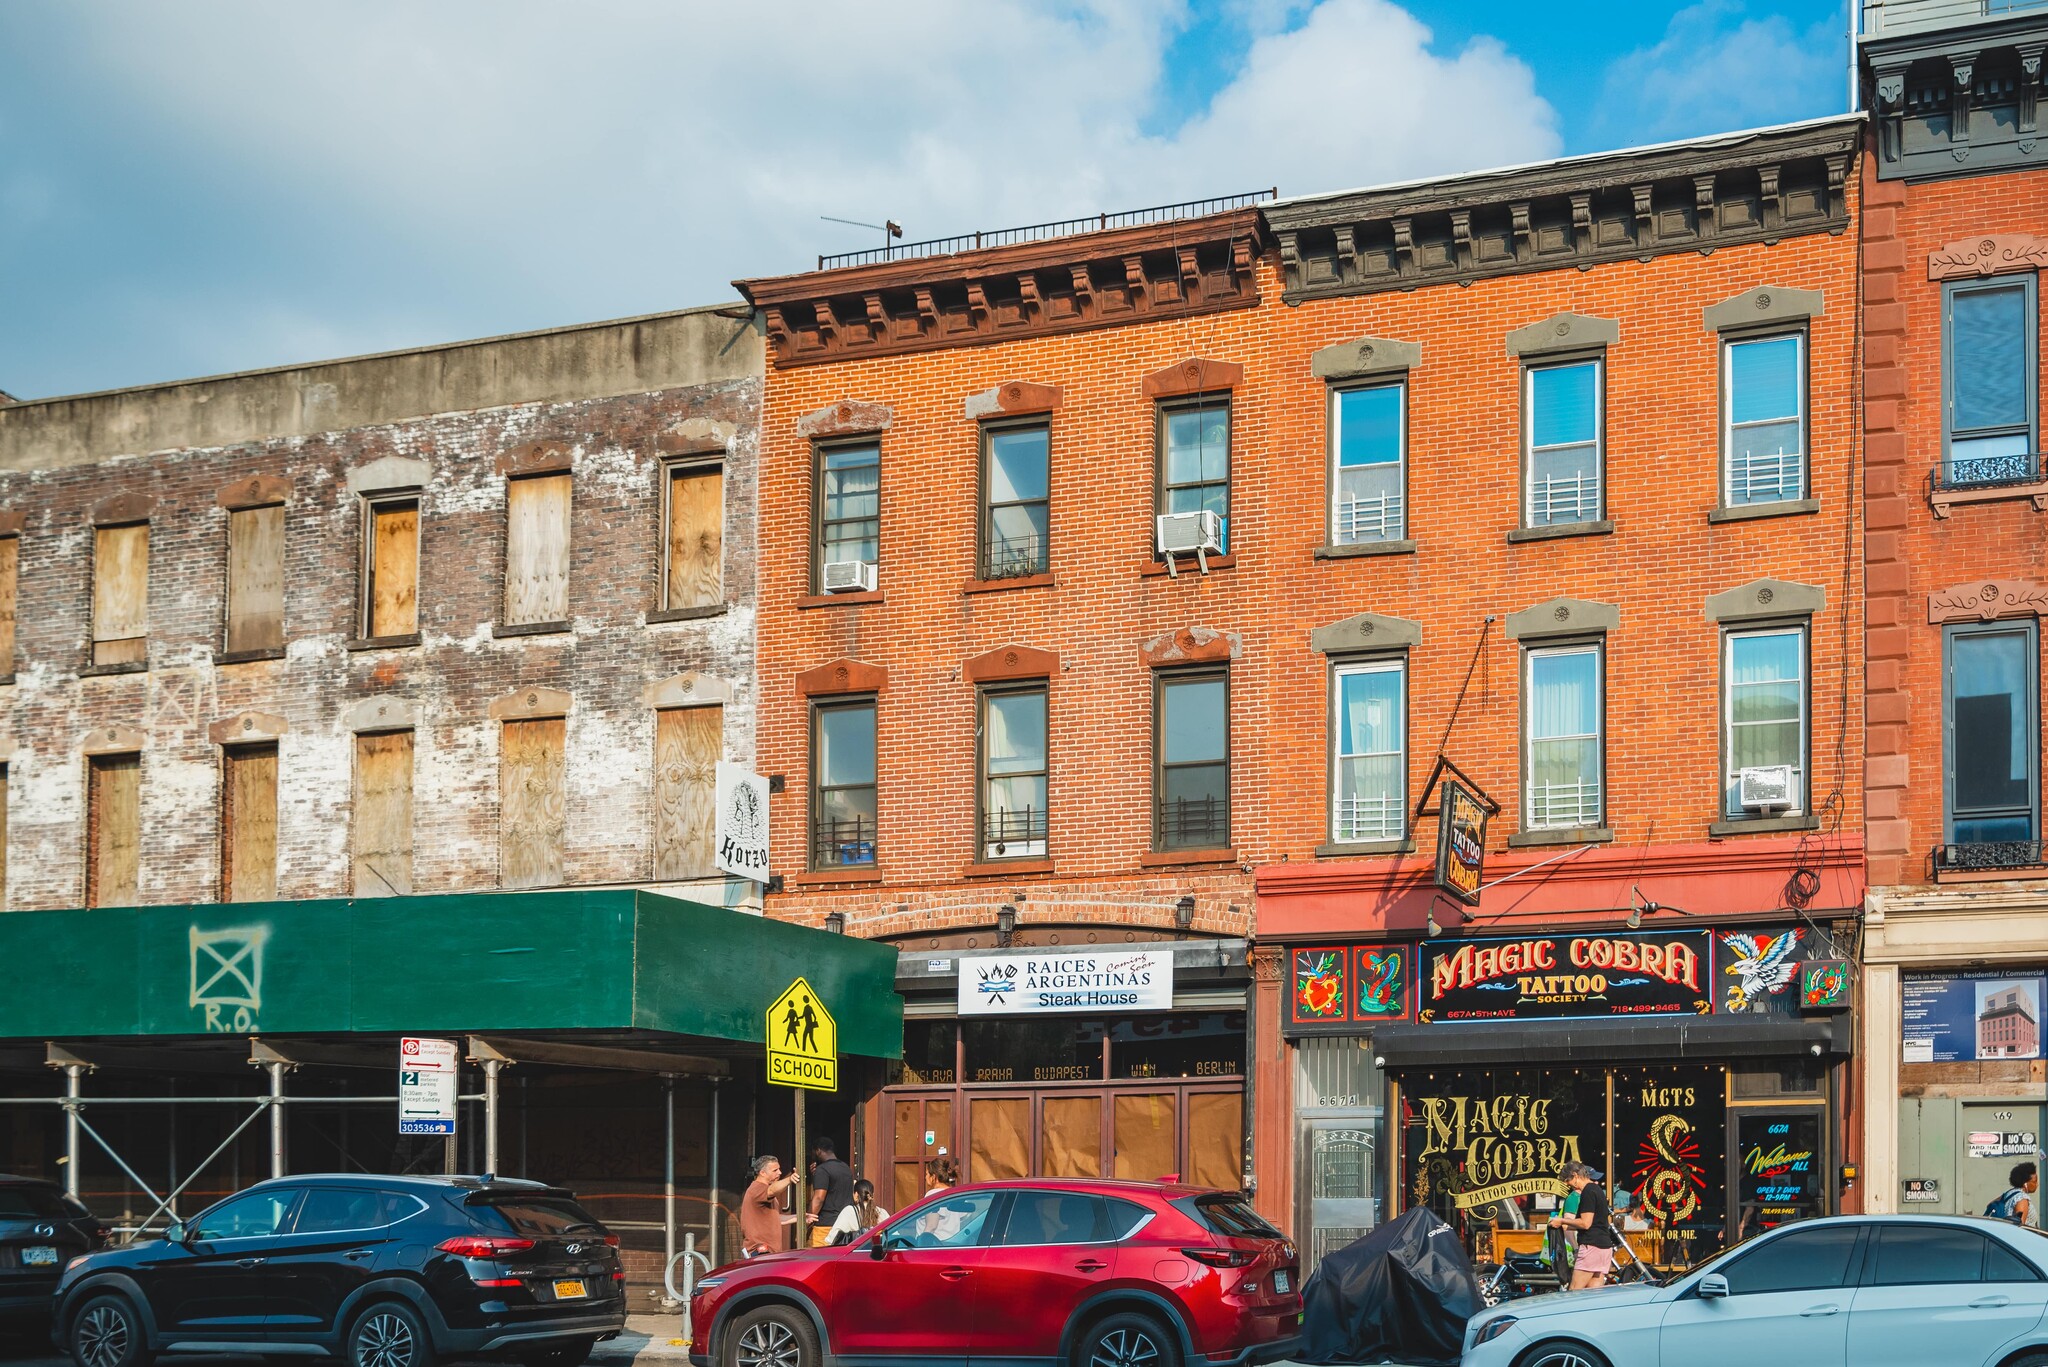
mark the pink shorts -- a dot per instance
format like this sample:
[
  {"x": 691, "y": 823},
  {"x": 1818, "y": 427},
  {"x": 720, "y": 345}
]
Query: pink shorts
[{"x": 1598, "y": 1261}]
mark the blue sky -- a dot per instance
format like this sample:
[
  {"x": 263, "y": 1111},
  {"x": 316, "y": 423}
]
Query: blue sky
[{"x": 227, "y": 184}]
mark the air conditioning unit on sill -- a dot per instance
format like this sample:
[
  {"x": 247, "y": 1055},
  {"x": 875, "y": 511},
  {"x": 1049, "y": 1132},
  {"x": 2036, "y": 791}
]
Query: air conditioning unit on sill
[
  {"x": 1198, "y": 533},
  {"x": 1766, "y": 788},
  {"x": 849, "y": 576}
]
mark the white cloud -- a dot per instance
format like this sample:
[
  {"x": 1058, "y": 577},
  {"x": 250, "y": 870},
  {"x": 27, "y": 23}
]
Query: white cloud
[{"x": 1718, "y": 68}]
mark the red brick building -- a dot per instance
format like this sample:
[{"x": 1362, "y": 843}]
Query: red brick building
[
  {"x": 1547, "y": 471},
  {"x": 1956, "y": 194}
]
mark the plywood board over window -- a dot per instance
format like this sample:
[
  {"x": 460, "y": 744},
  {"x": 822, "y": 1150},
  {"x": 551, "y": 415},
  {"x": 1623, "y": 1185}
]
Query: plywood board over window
[
  {"x": 256, "y": 579},
  {"x": 10, "y": 569},
  {"x": 532, "y": 803},
  {"x": 248, "y": 823},
  {"x": 1216, "y": 1139},
  {"x": 113, "y": 830},
  {"x": 382, "y": 833},
  {"x": 120, "y": 594},
  {"x": 391, "y": 567},
  {"x": 696, "y": 536},
  {"x": 537, "y": 550},
  {"x": 688, "y": 743}
]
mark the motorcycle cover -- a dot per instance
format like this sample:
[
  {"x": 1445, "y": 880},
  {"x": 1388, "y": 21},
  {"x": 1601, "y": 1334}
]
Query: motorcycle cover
[{"x": 1402, "y": 1292}]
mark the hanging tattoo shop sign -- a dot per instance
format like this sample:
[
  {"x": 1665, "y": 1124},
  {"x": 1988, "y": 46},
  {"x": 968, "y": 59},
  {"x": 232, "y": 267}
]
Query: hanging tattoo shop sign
[
  {"x": 1548, "y": 977},
  {"x": 1461, "y": 843},
  {"x": 1502, "y": 1146}
]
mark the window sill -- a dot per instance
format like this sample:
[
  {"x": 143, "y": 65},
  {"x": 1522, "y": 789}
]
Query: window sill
[
  {"x": 1352, "y": 848},
  {"x": 1358, "y": 549},
  {"x": 383, "y": 642},
  {"x": 1022, "y": 581},
  {"x": 6, "y": 679},
  {"x": 1604, "y": 527},
  {"x": 125, "y": 667},
  {"x": 2019, "y": 875},
  {"x": 1160, "y": 859},
  {"x": 500, "y": 630},
  {"x": 1003, "y": 868},
  {"x": 1578, "y": 835},
  {"x": 1941, "y": 500},
  {"x": 838, "y": 600},
  {"x": 1758, "y": 825},
  {"x": 826, "y": 878},
  {"x": 246, "y": 657},
  {"x": 695, "y": 614},
  {"x": 1156, "y": 569},
  {"x": 1750, "y": 512}
]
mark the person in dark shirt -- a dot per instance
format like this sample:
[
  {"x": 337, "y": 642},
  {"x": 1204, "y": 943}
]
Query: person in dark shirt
[
  {"x": 831, "y": 1190},
  {"x": 1596, "y": 1228}
]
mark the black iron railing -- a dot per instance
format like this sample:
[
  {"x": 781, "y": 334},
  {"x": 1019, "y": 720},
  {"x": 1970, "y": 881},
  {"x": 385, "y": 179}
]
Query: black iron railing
[
  {"x": 1003, "y": 832},
  {"x": 842, "y": 841},
  {"x": 1013, "y": 557},
  {"x": 2017, "y": 855},
  {"x": 1039, "y": 232},
  {"x": 1193, "y": 823},
  {"x": 1986, "y": 472}
]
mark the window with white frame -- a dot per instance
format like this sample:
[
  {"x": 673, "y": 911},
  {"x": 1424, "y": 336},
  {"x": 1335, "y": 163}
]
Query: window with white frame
[
  {"x": 1990, "y": 380},
  {"x": 1013, "y": 773},
  {"x": 1764, "y": 715},
  {"x": 1563, "y": 460},
  {"x": 1563, "y": 765},
  {"x": 1369, "y": 790},
  {"x": 1368, "y": 442},
  {"x": 1764, "y": 407}
]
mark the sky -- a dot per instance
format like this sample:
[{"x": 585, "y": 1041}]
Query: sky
[{"x": 220, "y": 185}]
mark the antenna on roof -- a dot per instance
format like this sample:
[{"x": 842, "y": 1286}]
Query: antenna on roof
[{"x": 889, "y": 228}]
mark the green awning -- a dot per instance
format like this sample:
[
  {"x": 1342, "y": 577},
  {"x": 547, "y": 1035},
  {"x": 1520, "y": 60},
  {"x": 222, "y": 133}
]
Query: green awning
[{"x": 598, "y": 960}]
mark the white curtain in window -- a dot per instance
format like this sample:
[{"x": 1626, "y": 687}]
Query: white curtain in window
[
  {"x": 1564, "y": 748},
  {"x": 1370, "y": 787}
]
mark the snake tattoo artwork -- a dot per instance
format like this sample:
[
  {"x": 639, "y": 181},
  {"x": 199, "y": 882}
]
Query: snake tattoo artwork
[{"x": 1668, "y": 1176}]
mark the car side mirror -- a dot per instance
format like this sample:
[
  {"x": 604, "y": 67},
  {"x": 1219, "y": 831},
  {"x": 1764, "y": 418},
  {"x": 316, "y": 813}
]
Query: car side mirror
[
  {"x": 878, "y": 1248},
  {"x": 1712, "y": 1287},
  {"x": 176, "y": 1234}
]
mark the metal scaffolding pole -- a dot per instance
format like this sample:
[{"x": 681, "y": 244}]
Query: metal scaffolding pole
[
  {"x": 668, "y": 1174},
  {"x": 73, "y": 1072},
  {"x": 491, "y": 1067},
  {"x": 711, "y": 1205},
  {"x": 277, "y": 1070}
]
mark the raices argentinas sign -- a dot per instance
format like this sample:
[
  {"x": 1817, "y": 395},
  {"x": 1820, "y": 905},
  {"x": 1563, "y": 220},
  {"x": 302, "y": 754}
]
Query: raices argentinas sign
[
  {"x": 1049, "y": 982},
  {"x": 1541, "y": 977}
]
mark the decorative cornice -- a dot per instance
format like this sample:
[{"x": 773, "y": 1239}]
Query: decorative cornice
[
  {"x": 1986, "y": 600},
  {"x": 247, "y": 728},
  {"x": 1991, "y": 254},
  {"x": 1174, "y": 269},
  {"x": 1705, "y": 194},
  {"x": 1364, "y": 356},
  {"x": 1014, "y": 398},
  {"x": 117, "y": 509},
  {"x": 1011, "y": 662},
  {"x": 388, "y": 473},
  {"x": 527, "y": 704},
  {"x": 113, "y": 740},
  {"x": 381, "y": 712},
  {"x": 1365, "y": 631},
  {"x": 12, "y": 522},
  {"x": 1563, "y": 332},
  {"x": 1195, "y": 375},
  {"x": 1562, "y": 617},
  {"x": 842, "y": 676},
  {"x": 257, "y": 491},
  {"x": 1764, "y": 305},
  {"x": 1189, "y": 646},
  {"x": 688, "y": 689},
  {"x": 535, "y": 458},
  {"x": 847, "y": 418},
  {"x": 696, "y": 437},
  {"x": 1765, "y": 598}
]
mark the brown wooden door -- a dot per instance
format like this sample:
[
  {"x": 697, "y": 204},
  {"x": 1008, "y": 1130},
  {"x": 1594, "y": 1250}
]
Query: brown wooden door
[{"x": 915, "y": 1117}]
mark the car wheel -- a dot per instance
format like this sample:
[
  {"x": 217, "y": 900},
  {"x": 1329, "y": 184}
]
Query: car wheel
[
  {"x": 1560, "y": 1355},
  {"x": 1127, "y": 1340},
  {"x": 107, "y": 1332},
  {"x": 389, "y": 1334},
  {"x": 570, "y": 1354},
  {"x": 773, "y": 1336}
]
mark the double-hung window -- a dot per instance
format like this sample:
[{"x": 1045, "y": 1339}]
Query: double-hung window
[
  {"x": 1991, "y": 778},
  {"x": 1016, "y": 494},
  {"x": 1990, "y": 381},
  {"x": 1765, "y": 698},
  {"x": 1194, "y": 451},
  {"x": 1013, "y": 773},
  {"x": 849, "y": 504},
  {"x": 1565, "y": 417},
  {"x": 1564, "y": 765},
  {"x": 843, "y": 806},
  {"x": 1368, "y": 441},
  {"x": 1764, "y": 408},
  {"x": 1369, "y": 794},
  {"x": 1191, "y": 775}
]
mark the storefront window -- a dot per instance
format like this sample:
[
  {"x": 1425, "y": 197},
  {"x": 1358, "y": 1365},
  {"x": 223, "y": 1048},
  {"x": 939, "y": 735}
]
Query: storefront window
[
  {"x": 1670, "y": 1146},
  {"x": 1055, "y": 1049},
  {"x": 1777, "y": 1169},
  {"x": 1206, "y": 1045},
  {"x": 927, "y": 1053},
  {"x": 1484, "y": 1148}
]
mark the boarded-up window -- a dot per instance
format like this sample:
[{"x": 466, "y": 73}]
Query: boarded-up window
[
  {"x": 537, "y": 550},
  {"x": 532, "y": 803},
  {"x": 10, "y": 568},
  {"x": 113, "y": 837},
  {"x": 1070, "y": 1136},
  {"x": 1144, "y": 1135},
  {"x": 1216, "y": 1140},
  {"x": 120, "y": 594},
  {"x": 382, "y": 837},
  {"x": 391, "y": 567},
  {"x": 256, "y": 579},
  {"x": 248, "y": 823},
  {"x": 688, "y": 743},
  {"x": 998, "y": 1138},
  {"x": 696, "y": 536}
]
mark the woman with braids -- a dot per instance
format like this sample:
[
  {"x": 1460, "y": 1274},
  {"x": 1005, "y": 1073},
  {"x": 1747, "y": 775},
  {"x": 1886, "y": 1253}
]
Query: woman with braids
[{"x": 1595, "y": 1225}]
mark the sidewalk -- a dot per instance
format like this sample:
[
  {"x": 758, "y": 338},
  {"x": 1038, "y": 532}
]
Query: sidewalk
[{"x": 654, "y": 1338}]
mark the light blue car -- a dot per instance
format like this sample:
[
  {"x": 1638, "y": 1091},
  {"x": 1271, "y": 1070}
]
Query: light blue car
[{"x": 1851, "y": 1291}]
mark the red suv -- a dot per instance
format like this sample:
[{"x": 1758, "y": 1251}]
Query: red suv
[{"x": 1081, "y": 1273}]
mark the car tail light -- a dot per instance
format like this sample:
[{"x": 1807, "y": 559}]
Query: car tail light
[
  {"x": 496, "y": 1281},
  {"x": 612, "y": 1240},
  {"x": 1221, "y": 1257},
  {"x": 483, "y": 1246},
  {"x": 619, "y": 1275}
]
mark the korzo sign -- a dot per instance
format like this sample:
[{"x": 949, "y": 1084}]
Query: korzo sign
[
  {"x": 1049, "y": 983},
  {"x": 740, "y": 836}
]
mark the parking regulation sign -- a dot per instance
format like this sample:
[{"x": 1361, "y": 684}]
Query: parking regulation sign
[{"x": 428, "y": 1071}]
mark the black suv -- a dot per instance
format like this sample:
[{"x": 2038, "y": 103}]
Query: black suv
[
  {"x": 385, "y": 1271},
  {"x": 41, "y": 1229}
]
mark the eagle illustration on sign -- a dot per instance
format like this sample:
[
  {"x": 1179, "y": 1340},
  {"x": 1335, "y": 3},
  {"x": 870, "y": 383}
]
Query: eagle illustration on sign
[
  {"x": 1763, "y": 967},
  {"x": 803, "y": 1040}
]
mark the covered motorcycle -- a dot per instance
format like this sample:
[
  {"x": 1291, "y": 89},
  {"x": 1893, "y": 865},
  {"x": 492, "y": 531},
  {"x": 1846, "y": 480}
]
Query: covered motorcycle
[{"x": 1403, "y": 1292}]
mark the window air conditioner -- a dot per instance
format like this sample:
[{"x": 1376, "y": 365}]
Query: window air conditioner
[
  {"x": 849, "y": 576},
  {"x": 1198, "y": 533},
  {"x": 1766, "y": 787}
]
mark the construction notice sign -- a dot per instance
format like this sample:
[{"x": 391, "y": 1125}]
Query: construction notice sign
[{"x": 803, "y": 1043}]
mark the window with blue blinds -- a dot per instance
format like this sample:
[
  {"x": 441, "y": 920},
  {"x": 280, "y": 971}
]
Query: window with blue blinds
[{"x": 1990, "y": 379}]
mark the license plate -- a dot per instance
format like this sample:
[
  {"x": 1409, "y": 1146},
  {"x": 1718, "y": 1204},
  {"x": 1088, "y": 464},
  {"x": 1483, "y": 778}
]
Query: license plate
[
  {"x": 570, "y": 1291},
  {"x": 39, "y": 1257},
  {"x": 1280, "y": 1282}
]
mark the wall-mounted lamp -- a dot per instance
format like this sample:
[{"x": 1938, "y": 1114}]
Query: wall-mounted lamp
[
  {"x": 1430, "y": 925},
  {"x": 1184, "y": 912},
  {"x": 1006, "y": 924},
  {"x": 835, "y": 921}
]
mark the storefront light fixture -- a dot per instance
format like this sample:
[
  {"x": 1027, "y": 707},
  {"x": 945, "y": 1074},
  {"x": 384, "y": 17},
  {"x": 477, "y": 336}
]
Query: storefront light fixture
[
  {"x": 1184, "y": 912},
  {"x": 1006, "y": 924},
  {"x": 835, "y": 921}
]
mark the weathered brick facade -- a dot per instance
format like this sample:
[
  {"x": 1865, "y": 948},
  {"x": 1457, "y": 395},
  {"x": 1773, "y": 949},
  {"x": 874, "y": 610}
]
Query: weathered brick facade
[{"x": 613, "y": 399}]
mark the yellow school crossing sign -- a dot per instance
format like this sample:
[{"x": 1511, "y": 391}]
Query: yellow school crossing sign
[{"x": 803, "y": 1043}]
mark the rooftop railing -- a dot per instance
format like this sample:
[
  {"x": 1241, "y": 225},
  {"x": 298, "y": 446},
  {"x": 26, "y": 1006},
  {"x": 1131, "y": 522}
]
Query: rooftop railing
[
  {"x": 1040, "y": 232},
  {"x": 1890, "y": 18}
]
